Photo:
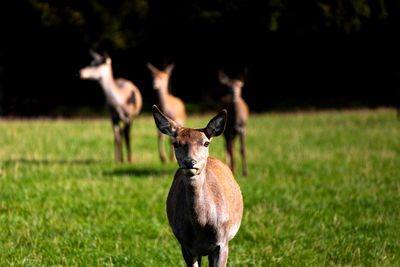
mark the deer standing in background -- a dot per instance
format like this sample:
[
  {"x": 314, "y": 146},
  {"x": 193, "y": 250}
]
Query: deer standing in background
[
  {"x": 238, "y": 114},
  {"x": 123, "y": 99},
  {"x": 172, "y": 106},
  {"x": 204, "y": 204}
]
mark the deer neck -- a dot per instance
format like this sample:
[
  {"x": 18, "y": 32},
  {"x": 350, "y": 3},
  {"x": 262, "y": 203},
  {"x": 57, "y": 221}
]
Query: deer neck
[
  {"x": 236, "y": 97},
  {"x": 109, "y": 86},
  {"x": 163, "y": 97},
  {"x": 107, "y": 80},
  {"x": 198, "y": 199}
]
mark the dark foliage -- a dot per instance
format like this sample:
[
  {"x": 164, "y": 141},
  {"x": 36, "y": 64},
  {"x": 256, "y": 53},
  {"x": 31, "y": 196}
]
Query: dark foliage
[{"x": 300, "y": 54}]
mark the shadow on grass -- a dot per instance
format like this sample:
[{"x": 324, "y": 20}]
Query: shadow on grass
[
  {"x": 54, "y": 162},
  {"x": 138, "y": 171}
]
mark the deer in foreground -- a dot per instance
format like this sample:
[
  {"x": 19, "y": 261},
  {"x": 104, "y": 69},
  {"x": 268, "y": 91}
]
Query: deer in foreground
[
  {"x": 123, "y": 99},
  {"x": 204, "y": 204},
  {"x": 238, "y": 114},
  {"x": 172, "y": 106}
]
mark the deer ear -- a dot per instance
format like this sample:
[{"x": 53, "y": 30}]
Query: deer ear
[
  {"x": 216, "y": 126},
  {"x": 223, "y": 78},
  {"x": 164, "y": 124},
  {"x": 152, "y": 68},
  {"x": 169, "y": 68},
  {"x": 96, "y": 56}
]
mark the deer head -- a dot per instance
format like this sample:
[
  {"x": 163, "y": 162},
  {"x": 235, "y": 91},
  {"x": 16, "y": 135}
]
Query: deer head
[
  {"x": 98, "y": 68},
  {"x": 235, "y": 85},
  {"x": 190, "y": 144},
  {"x": 160, "y": 77}
]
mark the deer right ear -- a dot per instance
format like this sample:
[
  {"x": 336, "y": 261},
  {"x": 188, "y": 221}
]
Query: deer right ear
[
  {"x": 151, "y": 68},
  {"x": 216, "y": 126},
  {"x": 223, "y": 78},
  {"x": 164, "y": 124},
  {"x": 96, "y": 56}
]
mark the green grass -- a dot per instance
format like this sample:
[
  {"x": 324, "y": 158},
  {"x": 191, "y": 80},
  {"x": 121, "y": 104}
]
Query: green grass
[{"x": 323, "y": 189}]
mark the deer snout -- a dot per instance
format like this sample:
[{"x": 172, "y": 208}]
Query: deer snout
[
  {"x": 189, "y": 167},
  {"x": 82, "y": 74},
  {"x": 189, "y": 163}
]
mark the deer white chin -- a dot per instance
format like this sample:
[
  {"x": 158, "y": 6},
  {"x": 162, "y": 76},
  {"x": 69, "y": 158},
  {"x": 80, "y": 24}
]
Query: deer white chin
[{"x": 190, "y": 172}]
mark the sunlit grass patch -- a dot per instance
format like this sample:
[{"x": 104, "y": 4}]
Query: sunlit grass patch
[{"x": 323, "y": 189}]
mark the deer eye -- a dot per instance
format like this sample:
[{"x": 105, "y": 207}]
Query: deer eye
[{"x": 206, "y": 143}]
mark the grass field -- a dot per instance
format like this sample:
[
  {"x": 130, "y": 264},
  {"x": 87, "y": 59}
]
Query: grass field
[{"x": 323, "y": 189}]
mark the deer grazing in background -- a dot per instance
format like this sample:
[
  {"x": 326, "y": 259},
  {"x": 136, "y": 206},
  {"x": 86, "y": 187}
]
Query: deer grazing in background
[
  {"x": 204, "y": 204},
  {"x": 238, "y": 114},
  {"x": 172, "y": 106},
  {"x": 123, "y": 99}
]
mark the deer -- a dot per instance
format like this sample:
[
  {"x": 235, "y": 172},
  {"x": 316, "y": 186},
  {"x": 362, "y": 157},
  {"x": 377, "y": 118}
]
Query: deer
[
  {"x": 205, "y": 203},
  {"x": 123, "y": 100},
  {"x": 169, "y": 104},
  {"x": 238, "y": 115}
]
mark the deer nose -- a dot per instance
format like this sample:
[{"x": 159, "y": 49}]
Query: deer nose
[{"x": 189, "y": 163}]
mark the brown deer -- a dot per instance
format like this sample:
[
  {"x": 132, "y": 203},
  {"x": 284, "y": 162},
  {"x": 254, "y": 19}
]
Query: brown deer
[
  {"x": 238, "y": 114},
  {"x": 123, "y": 99},
  {"x": 172, "y": 106},
  {"x": 204, "y": 204}
]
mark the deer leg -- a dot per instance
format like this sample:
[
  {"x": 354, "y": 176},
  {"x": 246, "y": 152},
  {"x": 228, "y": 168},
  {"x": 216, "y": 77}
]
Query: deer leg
[
  {"x": 227, "y": 155},
  {"x": 243, "y": 151},
  {"x": 127, "y": 129},
  {"x": 161, "y": 147},
  {"x": 172, "y": 149},
  {"x": 219, "y": 257},
  {"x": 117, "y": 143},
  {"x": 190, "y": 260},
  {"x": 230, "y": 160}
]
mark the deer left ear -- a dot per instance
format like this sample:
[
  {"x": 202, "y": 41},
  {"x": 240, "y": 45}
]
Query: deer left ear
[
  {"x": 169, "y": 69},
  {"x": 216, "y": 126}
]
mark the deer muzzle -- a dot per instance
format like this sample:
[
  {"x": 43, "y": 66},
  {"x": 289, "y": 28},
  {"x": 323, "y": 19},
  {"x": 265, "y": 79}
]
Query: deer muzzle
[{"x": 189, "y": 167}]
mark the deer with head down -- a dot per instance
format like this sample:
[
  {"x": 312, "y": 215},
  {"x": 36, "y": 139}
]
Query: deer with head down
[
  {"x": 204, "y": 204},
  {"x": 123, "y": 99},
  {"x": 172, "y": 106},
  {"x": 238, "y": 114}
]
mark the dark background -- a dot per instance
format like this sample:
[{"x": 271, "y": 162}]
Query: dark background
[{"x": 299, "y": 54}]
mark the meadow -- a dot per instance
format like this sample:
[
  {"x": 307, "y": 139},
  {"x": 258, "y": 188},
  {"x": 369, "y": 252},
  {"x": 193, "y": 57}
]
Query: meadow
[{"x": 323, "y": 190}]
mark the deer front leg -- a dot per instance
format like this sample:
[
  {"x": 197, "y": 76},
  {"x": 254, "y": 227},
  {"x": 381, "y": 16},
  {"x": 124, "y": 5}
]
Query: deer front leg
[
  {"x": 122, "y": 114},
  {"x": 219, "y": 257},
  {"x": 127, "y": 129},
  {"x": 190, "y": 260},
  {"x": 243, "y": 151},
  {"x": 230, "y": 160},
  {"x": 172, "y": 149},
  {"x": 117, "y": 142},
  {"x": 161, "y": 146}
]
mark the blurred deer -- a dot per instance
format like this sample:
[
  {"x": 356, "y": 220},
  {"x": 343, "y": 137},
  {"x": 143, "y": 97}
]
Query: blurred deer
[
  {"x": 123, "y": 99},
  {"x": 238, "y": 114},
  {"x": 204, "y": 204},
  {"x": 172, "y": 106}
]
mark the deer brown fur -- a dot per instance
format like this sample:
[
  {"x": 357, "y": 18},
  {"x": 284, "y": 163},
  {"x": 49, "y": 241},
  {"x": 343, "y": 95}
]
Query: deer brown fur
[
  {"x": 172, "y": 106},
  {"x": 204, "y": 204},
  {"x": 123, "y": 99},
  {"x": 238, "y": 115}
]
